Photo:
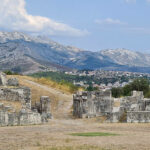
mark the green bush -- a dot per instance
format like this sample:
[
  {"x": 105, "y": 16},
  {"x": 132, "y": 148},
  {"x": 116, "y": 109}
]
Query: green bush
[
  {"x": 8, "y": 72},
  {"x": 137, "y": 85}
]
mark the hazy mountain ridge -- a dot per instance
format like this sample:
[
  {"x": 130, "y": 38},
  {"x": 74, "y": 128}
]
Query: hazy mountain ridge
[
  {"x": 27, "y": 54},
  {"x": 127, "y": 57}
]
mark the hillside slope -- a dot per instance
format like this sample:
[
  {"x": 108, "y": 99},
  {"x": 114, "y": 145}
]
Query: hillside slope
[
  {"x": 26, "y": 54},
  {"x": 127, "y": 57}
]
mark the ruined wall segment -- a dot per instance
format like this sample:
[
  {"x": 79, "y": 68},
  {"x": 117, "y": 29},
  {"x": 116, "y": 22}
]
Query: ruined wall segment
[
  {"x": 21, "y": 94},
  {"x": 138, "y": 116},
  {"x": 12, "y": 93},
  {"x": 90, "y": 104},
  {"x": 133, "y": 108}
]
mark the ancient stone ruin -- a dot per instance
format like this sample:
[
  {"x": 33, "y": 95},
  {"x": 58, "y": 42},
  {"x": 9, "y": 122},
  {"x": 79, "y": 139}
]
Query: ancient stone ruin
[
  {"x": 133, "y": 108},
  {"x": 15, "y": 104},
  {"x": 90, "y": 104}
]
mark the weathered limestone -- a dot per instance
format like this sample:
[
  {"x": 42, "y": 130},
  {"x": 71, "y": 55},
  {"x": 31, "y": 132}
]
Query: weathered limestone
[
  {"x": 12, "y": 82},
  {"x": 133, "y": 108},
  {"x": 45, "y": 107},
  {"x": 11, "y": 92},
  {"x": 3, "y": 79},
  {"x": 29, "y": 118},
  {"x": 22, "y": 94},
  {"x": 89, "y": 104},
  {"x": 138, "y": 116},
  {"x": 21, "y": 118}
]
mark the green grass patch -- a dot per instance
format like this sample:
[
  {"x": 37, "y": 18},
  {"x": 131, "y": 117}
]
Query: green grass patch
[
  {"x": 84, "y": 147},
  {"x": 93, "y": 134}
]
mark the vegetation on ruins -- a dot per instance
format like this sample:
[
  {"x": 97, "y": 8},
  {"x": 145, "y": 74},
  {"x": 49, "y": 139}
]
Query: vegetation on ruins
[{"x": 137, "y": 85}]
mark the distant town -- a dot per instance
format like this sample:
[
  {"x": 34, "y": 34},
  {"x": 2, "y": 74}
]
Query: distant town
[{"x": 105, "y": 79}]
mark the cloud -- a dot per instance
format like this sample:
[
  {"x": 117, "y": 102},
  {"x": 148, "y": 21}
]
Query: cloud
[
  {"x": 13, "y": 16},
  {"x": 110, "y": 21}
]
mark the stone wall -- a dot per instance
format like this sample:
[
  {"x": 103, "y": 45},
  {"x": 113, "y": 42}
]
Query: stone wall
[
  {"x": 90, "y": 104},
  {"x": 21, "y": 94},
  {"x": 3, "y": 79},
  {"x": 133, "y": 108},
  {"x": 10, "y": 93},
  {"x": 138, "y": 117},
  {"x": 21, "y": 118}
]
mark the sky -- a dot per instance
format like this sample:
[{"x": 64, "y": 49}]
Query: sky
[{"x": 88, "y": 24}]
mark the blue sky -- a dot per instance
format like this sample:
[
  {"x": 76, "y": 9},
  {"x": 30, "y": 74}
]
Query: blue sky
[{"x": 88, "y": 24}]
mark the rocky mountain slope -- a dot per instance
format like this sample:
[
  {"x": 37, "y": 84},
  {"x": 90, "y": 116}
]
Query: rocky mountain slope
[
  {"x": 26, "y": 54},
  {"x": 126, "y": 57}
]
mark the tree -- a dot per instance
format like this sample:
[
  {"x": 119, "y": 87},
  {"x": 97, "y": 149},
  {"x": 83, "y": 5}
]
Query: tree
[
  {"x": 141, "y": 84},
  {"x": 117, "y": 92}
]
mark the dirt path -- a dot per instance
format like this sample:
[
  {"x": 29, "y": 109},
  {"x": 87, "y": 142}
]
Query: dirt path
[{"x": 65, "y": 100}]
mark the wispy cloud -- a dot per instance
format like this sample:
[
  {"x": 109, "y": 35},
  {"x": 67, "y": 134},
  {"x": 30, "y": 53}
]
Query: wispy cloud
[
  {"x": 110, "y": 21},
  {"x": 123, "y": 26},
  {"x": 13, "y": 16}
]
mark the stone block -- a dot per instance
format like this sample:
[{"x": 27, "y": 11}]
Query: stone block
[
  {"x": 3, "y": 79},
  {"x": 13, "y": 82}
]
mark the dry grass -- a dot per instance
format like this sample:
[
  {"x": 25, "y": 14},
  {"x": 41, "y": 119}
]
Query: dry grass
[
  {"x": 116, "y": 103},
  {"x": 64, "y": 88},
  {"x": 56, "y": 136},
  {"x": 16, "y": 105},
  {"x": 53, "y": 84}
]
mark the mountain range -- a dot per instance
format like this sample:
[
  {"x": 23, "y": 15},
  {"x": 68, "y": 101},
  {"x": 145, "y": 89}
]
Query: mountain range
[{"x": 23, "y": 53}]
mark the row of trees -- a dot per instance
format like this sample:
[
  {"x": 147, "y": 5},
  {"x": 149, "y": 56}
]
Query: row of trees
[{"x": 138, "y": 85}]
